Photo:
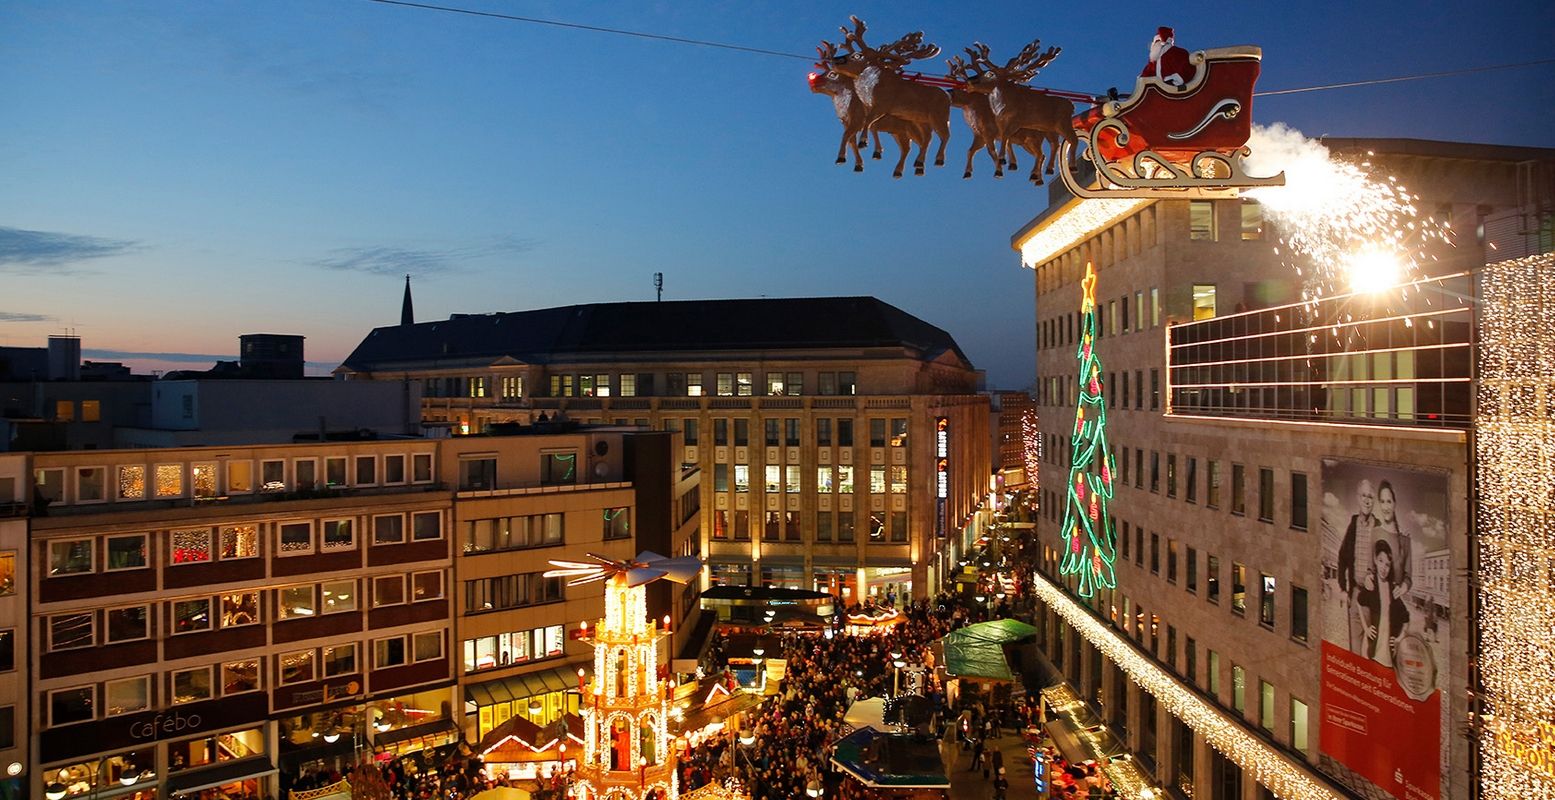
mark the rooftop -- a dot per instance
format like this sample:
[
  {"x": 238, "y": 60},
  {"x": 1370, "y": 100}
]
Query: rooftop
[{"x": 605, "y": 329}]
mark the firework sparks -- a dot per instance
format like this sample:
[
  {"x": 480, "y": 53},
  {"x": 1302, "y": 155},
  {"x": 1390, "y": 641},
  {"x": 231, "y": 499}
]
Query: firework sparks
[{"x": 1339, "y": 225}]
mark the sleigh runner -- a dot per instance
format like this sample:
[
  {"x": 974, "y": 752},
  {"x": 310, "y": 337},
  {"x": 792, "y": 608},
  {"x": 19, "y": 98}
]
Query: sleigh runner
[{"x": 1168, "y": 141}]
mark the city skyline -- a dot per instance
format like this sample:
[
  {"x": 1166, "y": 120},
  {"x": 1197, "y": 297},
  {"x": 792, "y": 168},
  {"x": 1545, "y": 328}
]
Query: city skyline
[{"x": 183, "y": 176}]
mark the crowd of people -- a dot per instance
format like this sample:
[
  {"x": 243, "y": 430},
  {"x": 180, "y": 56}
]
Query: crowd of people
[{"x": 456, "y": 777}]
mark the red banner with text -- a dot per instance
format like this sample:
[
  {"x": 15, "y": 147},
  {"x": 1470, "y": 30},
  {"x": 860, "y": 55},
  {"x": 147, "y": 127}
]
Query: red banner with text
[{"x": 1371, "y": 726}]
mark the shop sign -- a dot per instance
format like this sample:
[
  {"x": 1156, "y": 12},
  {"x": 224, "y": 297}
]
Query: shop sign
[{"x": 148, "y": 727}]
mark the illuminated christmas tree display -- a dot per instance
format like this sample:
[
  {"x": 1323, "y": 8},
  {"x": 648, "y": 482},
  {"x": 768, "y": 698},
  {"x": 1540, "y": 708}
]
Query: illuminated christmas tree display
[
  {"x": 627, "y": 751},
  {"x": 1087, "y": 529}
]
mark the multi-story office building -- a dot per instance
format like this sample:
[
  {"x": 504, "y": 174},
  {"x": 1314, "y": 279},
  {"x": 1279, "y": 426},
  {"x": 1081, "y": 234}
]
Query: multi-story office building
[
  {"x": 1009, "y": 441},
  {"x": 526, "y": 498},
  {"x": 842, "y": 442},
  {"x": 204, "y": 616},
  {"x": 1289, "y": 479},
  {"x": 237, "y": 616}
]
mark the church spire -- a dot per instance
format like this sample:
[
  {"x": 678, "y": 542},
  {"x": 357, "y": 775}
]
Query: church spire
[{"x": 407, "y": 312}]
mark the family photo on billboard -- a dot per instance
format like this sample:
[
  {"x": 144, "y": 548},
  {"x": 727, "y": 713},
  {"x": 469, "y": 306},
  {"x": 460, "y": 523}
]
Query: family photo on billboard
[{"x": 1386, "y": 573}]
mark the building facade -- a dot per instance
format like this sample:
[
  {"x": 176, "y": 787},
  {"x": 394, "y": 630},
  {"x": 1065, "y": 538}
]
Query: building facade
[
  {"x": 841, "y": 442},
  {"x": 1274, "y": 463}
]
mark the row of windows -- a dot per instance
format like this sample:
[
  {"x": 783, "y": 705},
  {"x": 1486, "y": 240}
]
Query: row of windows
[
  {"x": 1059, "y": 452},
  {"x": 646, "y": 384},
  {"x": 1067, "y": 329},
  {"x": 518, "y": 647},
  {"x": 1063, "y": 390},
  {"x": 830, "y": 526},
  {"x": 479, "y": 473},
  {"x": 206, "y": 543},
  {"x": 199, "y": 614},
  {"x": 512, "y": 591},
  {"x": 828, "y": 479},
  {"x": 142, "y": 692},
  {"x": 785, "y": 432},
  {"x": 137, "y": 482}
]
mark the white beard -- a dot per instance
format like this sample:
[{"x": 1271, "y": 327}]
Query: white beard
[{"x": 1159, "y": 46}]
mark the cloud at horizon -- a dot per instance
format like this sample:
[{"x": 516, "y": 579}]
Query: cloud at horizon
[
  {"x": 24, "y": 316},
  {"x": 29, "y": 252},
  {"x": 387, "y": 260}
]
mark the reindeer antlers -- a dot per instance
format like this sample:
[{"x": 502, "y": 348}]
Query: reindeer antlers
[
  {"x": 896, "y": 54},
  {"x": 1023, "y": 67}
]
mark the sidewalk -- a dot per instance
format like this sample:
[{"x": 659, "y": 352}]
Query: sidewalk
[{"x": 965, "y": 785}]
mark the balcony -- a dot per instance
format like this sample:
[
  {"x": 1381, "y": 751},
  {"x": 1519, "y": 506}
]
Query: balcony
[{"x": 1401, "y": 357}]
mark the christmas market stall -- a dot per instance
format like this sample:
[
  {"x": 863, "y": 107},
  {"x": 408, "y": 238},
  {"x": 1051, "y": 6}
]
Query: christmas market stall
[
  {"x": 522, "y": 750},
  {"x": 976, "y": 657},
  {"x": 896, "y": 766},
  {"x": 872, "y": 620}
]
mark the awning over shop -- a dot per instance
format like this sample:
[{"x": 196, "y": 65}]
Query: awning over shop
[
  {"x": 523, "y": 687},
  {"x": 230, "y": 772},
  {"x": 409, "y": 732},
  {"x": 890, "y": 761},
  {"x": 977, "y": 651}
]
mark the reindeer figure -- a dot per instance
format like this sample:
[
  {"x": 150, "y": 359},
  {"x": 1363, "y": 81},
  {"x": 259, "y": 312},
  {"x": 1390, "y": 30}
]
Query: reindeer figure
[
  {"x": 978, "y": 115},
  {"x": 1017, "y": 107},
  {"x": 886, "y": 92},
  {"x": 851, "y": 112}
]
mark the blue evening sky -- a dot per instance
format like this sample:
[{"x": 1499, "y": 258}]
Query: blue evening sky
[{"x": 174, "y": 174}]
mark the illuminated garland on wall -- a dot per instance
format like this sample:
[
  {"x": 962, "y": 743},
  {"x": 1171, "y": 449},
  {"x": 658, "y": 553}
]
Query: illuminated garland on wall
[
  {"x": 1074, "y": 224},
  {"x": 1269, "y": 766},
  {"x": 1031, "y": 444},
  {"x": 1514, "y": 450},
  {"x": 1090, "y": 547}
]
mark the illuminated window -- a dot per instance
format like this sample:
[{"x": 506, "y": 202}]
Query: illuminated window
[
  {"x": 477, "y": 386},
  {"x": 899, "y": 432},
  {"x": 170, "y": 480},
  {"x": 127, "y": 696},
  {"x": 296, "y": 538},
  {"x": 1238, "y": 689},
  {"x": 694, "y": 384},
  {"x": 295, "y": 602},
  {"x": 791, "y": 475},
  {"x": 240, "y": 540},
  {"x": 64, "y": 410},
  {"x": 239, "y": 609},
  {"x": 1238, "y": 588},
  {"x": 1214, "y": 674},
  {"x": 297, "y": 667},
  {"x": 742, "y": 478},
  {"x": 877, "y": 480},
  {"x": 774, "y": 478},
  {"x": 743, "y": 384},
  {"x": 776, "y": 386},
  {"x": 1267, "y": 589},
  {"x": 823, "y": 479},
  {"x": 132, "y": 482},
  {"x": 1203, "y": 301},
  {"x": 1266, "y": 705},
  {"x": 91, "y": 410},
  {"x": 339, "y": 534},
  {"x": 338, "y": 596},
  {"x": 725, "y": 384},
  {"x": 240, "y": 477},
  {"x": 240, "y": 676},
  {"x": 1201, "y": 221},
  {"x": 844, "y": 478},
  {"x": 7, "y": 573},
  {"x": 191, "y": 616},
  {"x": 1298, "y": 724},
  {"x": 629, "y": 385},
  {"x": 513, "y": 386}
]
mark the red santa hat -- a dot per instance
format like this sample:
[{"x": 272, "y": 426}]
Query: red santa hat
[{"x": 1163, "y": 33}]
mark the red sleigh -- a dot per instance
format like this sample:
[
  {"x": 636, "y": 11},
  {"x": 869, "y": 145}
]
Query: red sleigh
[{"x": 1174, "y": 142}]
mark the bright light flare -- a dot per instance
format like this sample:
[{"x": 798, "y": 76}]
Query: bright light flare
[
  {"x": 1373, "y": 270},
  {"x": 1330, "y": 210}
]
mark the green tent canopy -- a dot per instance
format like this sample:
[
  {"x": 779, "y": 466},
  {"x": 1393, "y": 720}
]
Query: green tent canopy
[{"x": 977, "y": 651}]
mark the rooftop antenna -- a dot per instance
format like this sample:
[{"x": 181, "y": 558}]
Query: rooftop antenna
[{"x": 658, "y": 286}]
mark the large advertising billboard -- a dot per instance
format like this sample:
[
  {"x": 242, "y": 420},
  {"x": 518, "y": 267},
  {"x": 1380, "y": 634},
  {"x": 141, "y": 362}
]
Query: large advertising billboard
[{"x": 1385, "y": 628}]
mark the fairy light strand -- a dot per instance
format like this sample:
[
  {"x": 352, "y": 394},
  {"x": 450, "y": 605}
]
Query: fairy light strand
[{"x": 1267, "y": 765}]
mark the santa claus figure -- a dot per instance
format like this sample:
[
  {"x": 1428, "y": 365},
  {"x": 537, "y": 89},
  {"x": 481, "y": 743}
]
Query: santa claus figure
[{"x": 1168, "y": 62}]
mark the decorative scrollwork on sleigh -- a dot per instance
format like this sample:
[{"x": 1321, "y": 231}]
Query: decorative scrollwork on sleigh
[{"x": 1165, "y": 141}]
